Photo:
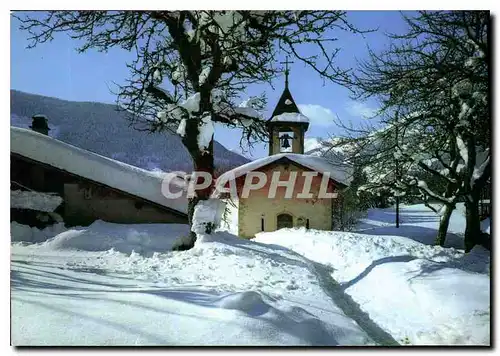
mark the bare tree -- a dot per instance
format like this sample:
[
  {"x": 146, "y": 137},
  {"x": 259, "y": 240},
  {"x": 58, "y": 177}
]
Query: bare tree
[
  {"x": 191, "y": 66},
  {"x": 433, "y": 86}
]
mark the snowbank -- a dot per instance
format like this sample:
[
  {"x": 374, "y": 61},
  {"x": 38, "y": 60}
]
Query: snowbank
[
  {"x": 144, "y": 239},
  {"x": 207, "y": 215},
  {"x": 115, "y": 174},
  {"x": 34, "y": 200},
  {"x": 25, "y": 233},
  {"x": 420, "y": 294},
  {"x": 352, "y": 253}
]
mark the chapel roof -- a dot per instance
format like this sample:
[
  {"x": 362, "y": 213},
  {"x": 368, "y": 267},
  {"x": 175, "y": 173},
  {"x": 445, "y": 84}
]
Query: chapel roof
[{"x": 338, "y": 171}]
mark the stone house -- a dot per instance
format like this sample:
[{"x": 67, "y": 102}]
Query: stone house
[{"x": 91, "y": 186}]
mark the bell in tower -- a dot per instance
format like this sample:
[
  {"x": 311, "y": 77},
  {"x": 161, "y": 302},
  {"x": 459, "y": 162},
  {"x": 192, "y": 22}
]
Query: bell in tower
[
  {"x": 287, "y": 125},
  {"x": 284, "y": 139}
]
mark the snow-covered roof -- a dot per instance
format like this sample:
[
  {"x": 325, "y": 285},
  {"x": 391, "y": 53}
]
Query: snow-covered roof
[
  {"x": 290, "y": 117},
  {"x": 339, "y": 172},
  {"x": 115, "y": 174}
]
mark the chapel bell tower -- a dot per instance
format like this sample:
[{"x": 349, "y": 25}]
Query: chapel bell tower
[{"x": 287, "y": 125}]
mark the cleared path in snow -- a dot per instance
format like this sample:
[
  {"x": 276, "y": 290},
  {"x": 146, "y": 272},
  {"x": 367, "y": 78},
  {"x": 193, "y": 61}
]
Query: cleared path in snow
[{"x": 350, "y": 308}]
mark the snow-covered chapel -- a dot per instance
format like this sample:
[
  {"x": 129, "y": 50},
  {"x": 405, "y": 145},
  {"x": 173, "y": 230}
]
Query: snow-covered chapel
[{"x": 274, "y": 205}]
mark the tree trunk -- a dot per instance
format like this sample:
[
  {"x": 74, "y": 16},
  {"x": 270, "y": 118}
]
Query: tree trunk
[
  {"x": 397, "y": 212},
  {"x": 443, "y": 225},
  {"x": 342, "y": 226},
  {"x": 202, "y": 162},
  {"x": 473, "y": 222}
]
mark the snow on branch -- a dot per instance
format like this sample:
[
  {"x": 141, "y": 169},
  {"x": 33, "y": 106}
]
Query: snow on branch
[
  {"x": 206, "y": 133},
  {"x": 425, "y": 188},
  {"x": 462, "y": 149},
  {"x": 480, "y": 170}
]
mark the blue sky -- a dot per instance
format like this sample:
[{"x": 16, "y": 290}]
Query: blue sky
[{"x": 56, "y": 69}]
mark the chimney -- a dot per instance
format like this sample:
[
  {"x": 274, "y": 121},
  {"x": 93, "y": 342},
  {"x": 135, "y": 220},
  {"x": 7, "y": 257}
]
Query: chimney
[{"x": 40, "y": 124}]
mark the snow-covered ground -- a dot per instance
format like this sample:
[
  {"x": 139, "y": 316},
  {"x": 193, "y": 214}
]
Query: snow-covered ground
[
  {"x": 227, "y": 292},
  {"x": 419, "y": 293},
  {"x": 111, "y": 284},
  {"x": 418, "y": 223},
  {"x": 26, "y": 234}
]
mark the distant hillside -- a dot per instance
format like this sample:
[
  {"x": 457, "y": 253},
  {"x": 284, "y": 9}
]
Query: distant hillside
[{"x": 102, "y": 129}]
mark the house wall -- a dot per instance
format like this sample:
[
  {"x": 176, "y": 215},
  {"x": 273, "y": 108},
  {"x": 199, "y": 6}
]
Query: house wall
[
  {"x": 36, "y": 176},
  {"x": 259, "y": 206},
  {"x": 86, "y": 201}
]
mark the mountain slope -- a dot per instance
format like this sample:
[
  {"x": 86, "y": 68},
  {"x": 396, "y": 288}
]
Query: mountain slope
[{"x": 102, "y": 129}]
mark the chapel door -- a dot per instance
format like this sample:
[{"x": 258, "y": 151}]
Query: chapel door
[{"x": 284, "y": 220}]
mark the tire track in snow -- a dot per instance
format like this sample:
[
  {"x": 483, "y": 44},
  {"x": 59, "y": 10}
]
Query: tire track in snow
[{"x": 350, "y": 308}]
